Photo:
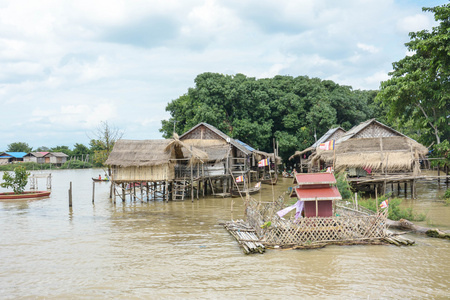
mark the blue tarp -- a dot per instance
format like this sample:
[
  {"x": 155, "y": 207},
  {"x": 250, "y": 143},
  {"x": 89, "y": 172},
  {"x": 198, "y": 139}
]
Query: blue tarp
[{"x": 245, "y": 145}]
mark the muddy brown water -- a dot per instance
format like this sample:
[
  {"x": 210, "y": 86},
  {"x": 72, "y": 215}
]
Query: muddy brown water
[{"x": 137, "y": 250}]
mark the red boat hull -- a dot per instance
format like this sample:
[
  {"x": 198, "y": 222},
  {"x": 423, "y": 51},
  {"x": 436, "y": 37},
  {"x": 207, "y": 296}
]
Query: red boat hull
[{"x": 24, "y": 195}]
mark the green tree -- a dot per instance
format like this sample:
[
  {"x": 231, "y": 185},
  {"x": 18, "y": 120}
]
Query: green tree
[
  {"x": 19, "y": 147},
  {"x": 80, "y": 149},
  {"x": 43, "y": 149},
  {"x": 18, "y": 181},
  {"x": 290, "y": 109},
  {"x": 420, "y": 85},
  {"x": 106, "y": 137}
]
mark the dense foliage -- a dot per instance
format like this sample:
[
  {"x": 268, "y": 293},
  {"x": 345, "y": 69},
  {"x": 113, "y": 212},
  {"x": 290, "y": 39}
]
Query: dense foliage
[
  {"x": 396, "y": 212},
  {"x": 18, "y": 147},
  {"x": 291, "y": 109},
  {"x": 419, "y": 89},
  {"x": 17, "y": 182}
]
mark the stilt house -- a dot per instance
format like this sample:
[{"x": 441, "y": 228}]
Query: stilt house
[
  {"x": 153, "y": 163},
  {"x": 302, "y": 158},
  {"x": 227, "y": 158}
]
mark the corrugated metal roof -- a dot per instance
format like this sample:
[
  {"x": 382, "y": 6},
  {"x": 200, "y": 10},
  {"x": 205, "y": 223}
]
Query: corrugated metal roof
[
  {"x": 314, "y": 178},
  {"x": 324, "y": 138},
  {"x": 319, "y": 194},
  {"x": 246, "y": 146},
  {"x": 17, "y": 154}
]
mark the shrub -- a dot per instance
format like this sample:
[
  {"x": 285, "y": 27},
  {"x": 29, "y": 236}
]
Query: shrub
[
  {"x": 18, "y": 181},
  {"x": 343, "y": 186},
  {"x": 395, "y": 211},
  {"x": 76, "y": 164}
]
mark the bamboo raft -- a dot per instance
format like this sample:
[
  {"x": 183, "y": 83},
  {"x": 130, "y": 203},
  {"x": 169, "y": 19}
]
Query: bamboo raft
[{"x": 245, "y": 236}]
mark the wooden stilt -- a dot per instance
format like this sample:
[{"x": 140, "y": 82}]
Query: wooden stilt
[
  {"x": 123, "y": 192},
  {"x": 93, "y": 190}
]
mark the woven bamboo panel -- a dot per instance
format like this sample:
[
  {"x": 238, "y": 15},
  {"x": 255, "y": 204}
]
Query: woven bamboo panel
[
  {"x": 374, "y": 130},
  {"x": 305, "y": 231}
]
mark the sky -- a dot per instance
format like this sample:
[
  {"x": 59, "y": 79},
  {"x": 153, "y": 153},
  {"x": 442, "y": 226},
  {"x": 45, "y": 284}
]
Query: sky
[{"x": 67, "y": 66}]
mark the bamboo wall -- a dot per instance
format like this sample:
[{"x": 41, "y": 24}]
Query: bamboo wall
[{"x": 146, "y": 174}]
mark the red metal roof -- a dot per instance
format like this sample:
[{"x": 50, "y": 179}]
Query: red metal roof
[
  {"x": 315, "y": 178},
  {"x": 324, "y": 193}
]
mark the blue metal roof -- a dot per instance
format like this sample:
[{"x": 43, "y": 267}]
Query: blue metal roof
[
  {"x": 245, "y": 145},
  {"x": 17, "y": 154}
]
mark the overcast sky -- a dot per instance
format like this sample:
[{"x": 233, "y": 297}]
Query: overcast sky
[{"x": 65, "y": 66}]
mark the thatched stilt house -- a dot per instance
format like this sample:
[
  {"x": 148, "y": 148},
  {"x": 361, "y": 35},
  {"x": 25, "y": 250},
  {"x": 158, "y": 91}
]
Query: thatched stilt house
[
  {"x": 151, "y": 161},
  {"x": 372, "y": 148},
  {"x": 227, "y": 157}
]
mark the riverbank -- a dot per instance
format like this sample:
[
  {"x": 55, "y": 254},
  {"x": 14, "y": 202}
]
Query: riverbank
[{"x": 32, "y": 166}]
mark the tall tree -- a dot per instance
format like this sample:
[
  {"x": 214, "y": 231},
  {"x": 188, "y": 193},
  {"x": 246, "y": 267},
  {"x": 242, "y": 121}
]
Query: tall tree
[
  {"x": 106, "y": 136},
  {"x": 19, "y": 147},
  {"x": 420, "y": 85},
  {"x": 258, "y": 110}
]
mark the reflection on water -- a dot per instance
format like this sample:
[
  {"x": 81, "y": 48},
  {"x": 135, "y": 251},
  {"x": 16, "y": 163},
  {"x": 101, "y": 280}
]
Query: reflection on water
[{"x": 180, "y": 250}]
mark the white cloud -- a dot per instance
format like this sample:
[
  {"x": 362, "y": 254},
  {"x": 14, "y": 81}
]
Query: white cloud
[
  {"x": 67, "y": 65},
  {"x": 414, "y": 23},
  {"x": 368, "y": 48}
]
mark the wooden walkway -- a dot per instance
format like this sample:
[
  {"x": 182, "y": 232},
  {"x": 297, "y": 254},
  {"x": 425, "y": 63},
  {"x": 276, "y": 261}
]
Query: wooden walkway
[{"x": 246, "y": 236}]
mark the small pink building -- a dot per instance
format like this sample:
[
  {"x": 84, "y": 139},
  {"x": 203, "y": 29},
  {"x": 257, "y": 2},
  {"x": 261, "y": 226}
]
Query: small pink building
[{"x": 318, "y": 191}]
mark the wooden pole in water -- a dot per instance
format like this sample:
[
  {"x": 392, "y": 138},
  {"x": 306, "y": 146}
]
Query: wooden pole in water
[
  {"x": 70, "y": 195},
  {"x": 123, "y": 192},
  {"x": 93, "y": 191}
]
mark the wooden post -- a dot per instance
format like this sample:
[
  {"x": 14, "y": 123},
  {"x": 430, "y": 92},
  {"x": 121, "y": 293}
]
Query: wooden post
[
  {"x": 317, "y": 208},
  {"x": 147, "y": 188},
  {"x": 93, "y": 190},
  {"x": 70, "y": 195},
  {"x": 123, "y": 192},
  {"x": 356, "y": 201},
  {"x": 439, "y": 179},
  {"x": 406, "y": 189},
  {"x": 142, "y": 192}
]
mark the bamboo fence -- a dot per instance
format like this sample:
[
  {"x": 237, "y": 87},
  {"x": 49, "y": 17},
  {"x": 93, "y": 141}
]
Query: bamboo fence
[{"x": 274, "y": 231}]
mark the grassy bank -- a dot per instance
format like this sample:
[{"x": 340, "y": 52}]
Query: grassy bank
[{"x": 31, "y": 166}]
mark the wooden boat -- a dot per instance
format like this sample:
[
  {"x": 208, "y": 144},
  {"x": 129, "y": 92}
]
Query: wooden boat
[
  {"x": 253, "y": 190},
  {"x": 99, "y": 180},
  {"x": 25, "y": 195},
  {"x": 271, "y": 181}
]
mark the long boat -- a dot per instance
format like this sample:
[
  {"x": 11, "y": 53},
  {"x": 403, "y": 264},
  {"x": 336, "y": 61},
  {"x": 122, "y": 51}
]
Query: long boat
[
  {"x": 253, "y": 190},
  {"x": 24, "y": 195},
  {"x": 98, "y": 180}
]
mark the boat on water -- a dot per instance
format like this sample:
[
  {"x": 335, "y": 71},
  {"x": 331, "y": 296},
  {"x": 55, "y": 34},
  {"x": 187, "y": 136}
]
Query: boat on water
[
  {"x": 99, "y": 180},
  {"x": 25, "y": 195},
  {"x": 252, "y": 190},
  {"x": 271, "y": 181}
]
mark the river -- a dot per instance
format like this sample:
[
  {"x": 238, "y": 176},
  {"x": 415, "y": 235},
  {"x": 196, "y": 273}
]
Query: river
[{"x": 178, "y": 250}]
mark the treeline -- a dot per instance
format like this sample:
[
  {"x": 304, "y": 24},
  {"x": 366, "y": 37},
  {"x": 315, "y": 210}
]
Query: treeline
[{"x": 293, "y": 110}]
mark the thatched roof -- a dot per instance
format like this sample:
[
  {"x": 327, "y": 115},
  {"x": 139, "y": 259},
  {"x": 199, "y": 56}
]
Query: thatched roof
[
  {"x": 225, "y": 138},
  {"x": 395, "y": 153},
  {"x": 138, "y": 153}
]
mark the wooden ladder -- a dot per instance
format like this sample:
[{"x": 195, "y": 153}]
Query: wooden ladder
[{"x": 179, "y": 190}]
